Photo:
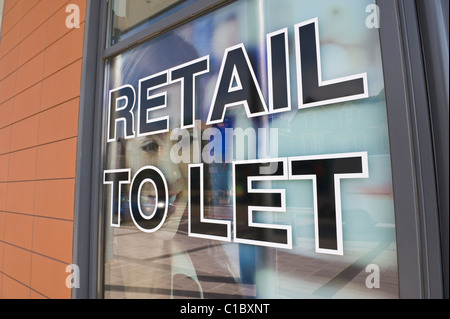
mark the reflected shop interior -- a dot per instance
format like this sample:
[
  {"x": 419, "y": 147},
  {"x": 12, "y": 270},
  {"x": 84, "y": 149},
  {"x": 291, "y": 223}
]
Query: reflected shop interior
[{"x": 275, "y": 104}]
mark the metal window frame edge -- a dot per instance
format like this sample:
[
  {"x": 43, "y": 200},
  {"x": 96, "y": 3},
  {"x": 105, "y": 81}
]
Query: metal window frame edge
[
  {"x": 412, "y": 158},
  {"x": 434, "y": 30},
  {"x": 2, "y": 12}
]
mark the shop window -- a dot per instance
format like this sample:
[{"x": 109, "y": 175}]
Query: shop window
[{"x": 246, "y": 155}]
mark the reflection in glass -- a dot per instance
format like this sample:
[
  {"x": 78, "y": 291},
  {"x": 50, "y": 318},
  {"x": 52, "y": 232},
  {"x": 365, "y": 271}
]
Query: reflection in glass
[
  {"x": 131, "y": 16},
  {"x": 170, "y": 264}
]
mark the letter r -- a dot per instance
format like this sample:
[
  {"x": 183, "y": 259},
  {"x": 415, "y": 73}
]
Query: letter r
[{"x": 121, "y": 104}]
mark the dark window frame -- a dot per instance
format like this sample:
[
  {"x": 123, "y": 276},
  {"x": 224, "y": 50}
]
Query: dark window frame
[
  {"x": 2, "y": 12},
  {"x": 410, "y": 133}
]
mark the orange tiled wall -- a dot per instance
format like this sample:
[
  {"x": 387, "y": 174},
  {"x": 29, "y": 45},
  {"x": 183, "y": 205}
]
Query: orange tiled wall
[{"x": 40, "y": 73}]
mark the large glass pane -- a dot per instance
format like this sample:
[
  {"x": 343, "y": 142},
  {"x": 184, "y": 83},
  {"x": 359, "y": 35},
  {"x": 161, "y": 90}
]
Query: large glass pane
[{"x": 246, "y": 155}]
